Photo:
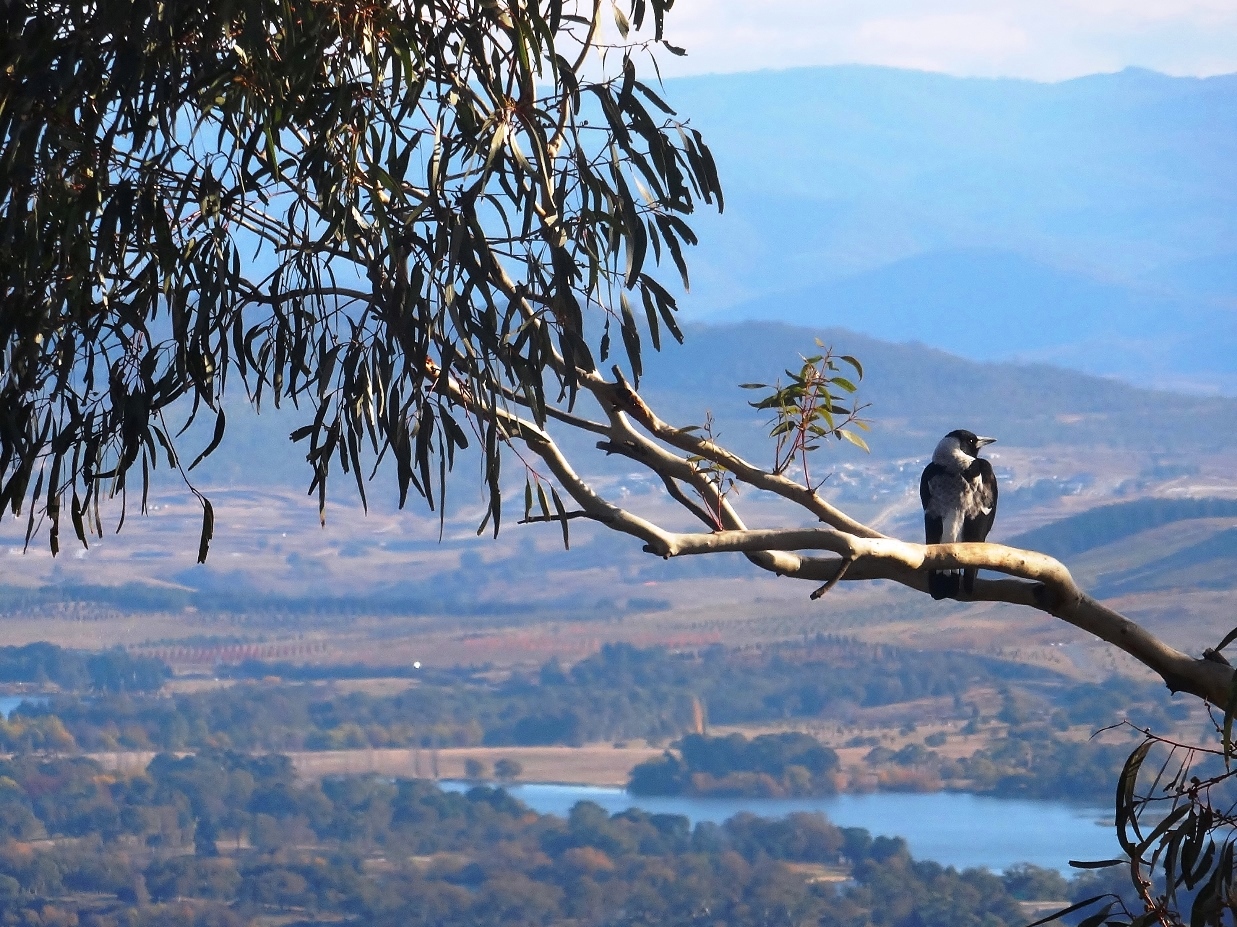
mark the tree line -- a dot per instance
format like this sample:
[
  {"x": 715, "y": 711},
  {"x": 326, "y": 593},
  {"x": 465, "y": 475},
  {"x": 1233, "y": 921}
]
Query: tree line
[
  {"x": 1026, "y": 763},
  {"x": 619, "y": 693},
  {"x": 768, "y": 766},
  {"x": 114, "y": 670},
  {"x": 223, "y": 839}
]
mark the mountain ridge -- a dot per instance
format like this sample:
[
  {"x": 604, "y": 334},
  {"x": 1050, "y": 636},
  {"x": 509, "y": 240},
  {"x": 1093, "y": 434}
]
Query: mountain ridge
[
  {"x": 922, "y": 389},
  {"x": 1126, "y": 181},
  {"x": 946, "y": 299}
]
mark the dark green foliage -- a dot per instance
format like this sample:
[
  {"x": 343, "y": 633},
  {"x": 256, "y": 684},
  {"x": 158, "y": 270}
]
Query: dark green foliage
[
  {"x": 1100, "y": 704},
  {"x": 113, "y": 670},
  {"x": 621, "y": 692},
  {"x": 1031, "y": 883},
  {"x": 116, "y": 670},
  {"x": 361, "y": 210},
  {"x": 192, "y": 877},
  {"x": 624, "y": 693},
  {"x": 405, "y": 852},
  {"x": 507, "y": 769},
  {"x": 42, "y": 663},
  {"x": 767, "y": 765}
]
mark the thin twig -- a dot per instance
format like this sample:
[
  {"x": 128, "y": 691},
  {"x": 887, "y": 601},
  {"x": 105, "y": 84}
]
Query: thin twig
[{"x": 843, "y": 569}]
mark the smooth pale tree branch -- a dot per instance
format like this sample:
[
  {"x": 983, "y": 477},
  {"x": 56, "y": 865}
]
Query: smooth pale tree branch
[
  {"x": 859, "y": 553},
  {"x": 623, "y": 397}
]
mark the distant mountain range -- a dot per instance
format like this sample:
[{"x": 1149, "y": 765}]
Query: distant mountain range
[
  {"x": 918, "y": 393},
  {"x": 1091, "y": 223},
  {"x": 994, "y": 305},
  {"x": 914, "y": 393}
]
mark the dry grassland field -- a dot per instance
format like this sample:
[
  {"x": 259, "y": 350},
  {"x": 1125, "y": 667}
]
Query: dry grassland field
[
  {"x": 191, "y": 641},
  {"x": 532, "y": 600},
  {"x": 609, "y": 765},
  {"x": 593, "y": 764}
]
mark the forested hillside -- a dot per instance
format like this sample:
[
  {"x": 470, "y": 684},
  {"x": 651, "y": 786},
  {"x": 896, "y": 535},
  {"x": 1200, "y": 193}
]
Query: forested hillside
[
  {"x": 992, "y": 726},
  {"x": 1106, "y": 524},
  {"x": 226, "y": 840}
]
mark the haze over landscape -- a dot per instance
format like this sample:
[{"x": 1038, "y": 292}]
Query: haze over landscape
[
  {"x": 1087, "y": 223},
  {"x": 985, "y": 246},
  {"x": 1021, "y": 219},
  {"x": 1045, "y": 40}
]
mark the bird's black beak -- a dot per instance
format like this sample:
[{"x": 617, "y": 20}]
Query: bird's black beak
[{"x": 982, "y": 442}]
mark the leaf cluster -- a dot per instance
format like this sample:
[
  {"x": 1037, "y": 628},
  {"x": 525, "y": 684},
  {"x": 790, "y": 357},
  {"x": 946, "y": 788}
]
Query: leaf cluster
[
  {"x": 817, "y": 402},
  {"x": 370, "y": 211},
  {"x": 1176, "y": 833}
]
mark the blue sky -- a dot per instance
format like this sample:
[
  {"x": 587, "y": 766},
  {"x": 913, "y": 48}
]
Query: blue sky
[{"x": 1037, "y": 39}]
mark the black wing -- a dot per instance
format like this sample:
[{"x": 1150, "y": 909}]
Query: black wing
[
  {"x": 925, "y": 490},
  {"x": 932, "y": 525},
  {"x": 977, "y": 528},
  {"x": 941, "y": 585}
]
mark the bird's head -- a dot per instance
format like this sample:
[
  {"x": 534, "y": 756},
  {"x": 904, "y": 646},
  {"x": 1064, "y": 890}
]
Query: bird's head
[{"x": 960, "y": 446}]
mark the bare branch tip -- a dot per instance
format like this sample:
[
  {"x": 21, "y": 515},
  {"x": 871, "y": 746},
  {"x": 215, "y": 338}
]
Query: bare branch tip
[{"x": 833, "y": 580}]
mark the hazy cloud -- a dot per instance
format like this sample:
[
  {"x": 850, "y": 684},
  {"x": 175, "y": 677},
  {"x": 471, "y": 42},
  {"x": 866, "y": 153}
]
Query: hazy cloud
[{"x": 1039, "y": 39}]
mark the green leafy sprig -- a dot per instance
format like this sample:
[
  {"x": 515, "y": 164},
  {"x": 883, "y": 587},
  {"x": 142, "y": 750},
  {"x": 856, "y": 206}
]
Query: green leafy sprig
[{"x": 818, "y": 402}]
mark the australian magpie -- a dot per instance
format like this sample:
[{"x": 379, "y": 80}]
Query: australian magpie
[{"x": 958, "y": 491}]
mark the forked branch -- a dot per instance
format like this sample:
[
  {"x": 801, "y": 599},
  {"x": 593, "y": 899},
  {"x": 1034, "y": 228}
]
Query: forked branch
[{"x": 841, "y": 550}]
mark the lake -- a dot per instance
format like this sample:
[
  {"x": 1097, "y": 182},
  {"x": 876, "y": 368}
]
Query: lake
[
  {"x": 953, "y": 828},
  {"x": 9, "y": 703}
]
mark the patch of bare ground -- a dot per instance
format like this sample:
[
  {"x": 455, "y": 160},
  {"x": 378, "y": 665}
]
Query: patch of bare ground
[
  {"x": 375, "y": 688},
  {"x": 1034, "y": 910},
  {"x": 447, "y": 859},
  {"x": 598, "y": 764},
  {"x": 87, "y": 627},
  {"x": 297, "y": 916},
  {"x": 123, "y": 761},
  {"x": 819, "y": 872},
  {"x": 188, "y": 685}
]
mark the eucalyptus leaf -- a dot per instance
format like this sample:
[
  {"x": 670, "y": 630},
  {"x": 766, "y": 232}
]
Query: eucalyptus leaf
[{"x": 320, "y": 204}]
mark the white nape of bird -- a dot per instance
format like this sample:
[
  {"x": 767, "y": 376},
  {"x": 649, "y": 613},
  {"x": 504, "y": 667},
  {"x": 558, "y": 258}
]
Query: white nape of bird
[{"x": 958, "y": 491}]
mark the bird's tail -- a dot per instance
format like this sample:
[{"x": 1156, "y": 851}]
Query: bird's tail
[
  {"x": 968, "y": 581},
  {"x": 943, "y": 584}
]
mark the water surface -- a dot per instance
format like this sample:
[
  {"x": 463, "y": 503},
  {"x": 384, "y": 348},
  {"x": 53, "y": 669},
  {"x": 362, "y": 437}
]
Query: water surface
[
  {"x": 9, "y": 703},
  {"x": 953, "y": 828}
]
